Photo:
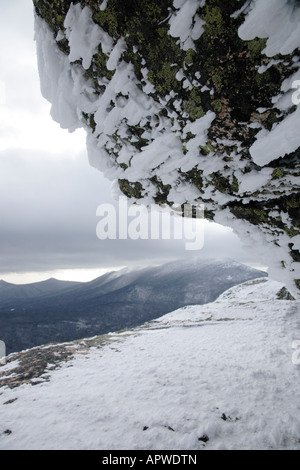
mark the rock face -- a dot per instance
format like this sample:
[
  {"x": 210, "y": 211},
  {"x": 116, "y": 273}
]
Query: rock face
[{"x": 187, "y": 101}]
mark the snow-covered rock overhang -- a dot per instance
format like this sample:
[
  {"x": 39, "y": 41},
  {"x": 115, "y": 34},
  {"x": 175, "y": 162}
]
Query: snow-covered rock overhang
[{"x": 187, "y": 101}]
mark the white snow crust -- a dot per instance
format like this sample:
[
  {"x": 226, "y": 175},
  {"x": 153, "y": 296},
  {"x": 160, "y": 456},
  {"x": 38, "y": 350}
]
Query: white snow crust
[
  {"x": 185, "y": 24},
  {"x": 277, "y": 20},
  {"x": 283, "y": 139},
  {"x": 84, "y": 35}
]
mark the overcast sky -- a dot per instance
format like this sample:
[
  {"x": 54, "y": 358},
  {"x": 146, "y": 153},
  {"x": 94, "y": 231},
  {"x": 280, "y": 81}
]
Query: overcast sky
[{"x": 48, "y": 192}]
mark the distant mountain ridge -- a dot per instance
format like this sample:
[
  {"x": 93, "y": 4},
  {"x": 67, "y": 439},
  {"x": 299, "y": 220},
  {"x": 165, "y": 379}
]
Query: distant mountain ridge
[
  {"x": 11, "y": 292},
  {"x": 55, "y": 311}
]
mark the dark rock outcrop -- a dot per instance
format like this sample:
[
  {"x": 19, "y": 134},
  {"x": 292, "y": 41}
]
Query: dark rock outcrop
[{"x": 186, "y": 83}]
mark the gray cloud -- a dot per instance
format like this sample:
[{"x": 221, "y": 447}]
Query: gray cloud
[{"x": 48, "y": 219}]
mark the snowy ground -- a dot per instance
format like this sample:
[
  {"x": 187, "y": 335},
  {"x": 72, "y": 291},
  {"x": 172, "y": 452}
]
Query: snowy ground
[{"x": 224, "y": 373}]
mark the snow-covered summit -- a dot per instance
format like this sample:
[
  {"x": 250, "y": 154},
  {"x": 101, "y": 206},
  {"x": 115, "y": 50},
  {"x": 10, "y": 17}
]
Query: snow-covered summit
[{"x": 218, "y": 376}]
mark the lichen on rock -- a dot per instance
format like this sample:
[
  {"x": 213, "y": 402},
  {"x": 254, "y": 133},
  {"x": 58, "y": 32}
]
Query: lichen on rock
[{"x": 186, "y": 101}]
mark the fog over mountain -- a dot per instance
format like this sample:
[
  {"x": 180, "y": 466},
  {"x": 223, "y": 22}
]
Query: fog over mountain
[{"x": 55, "y": 311}]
